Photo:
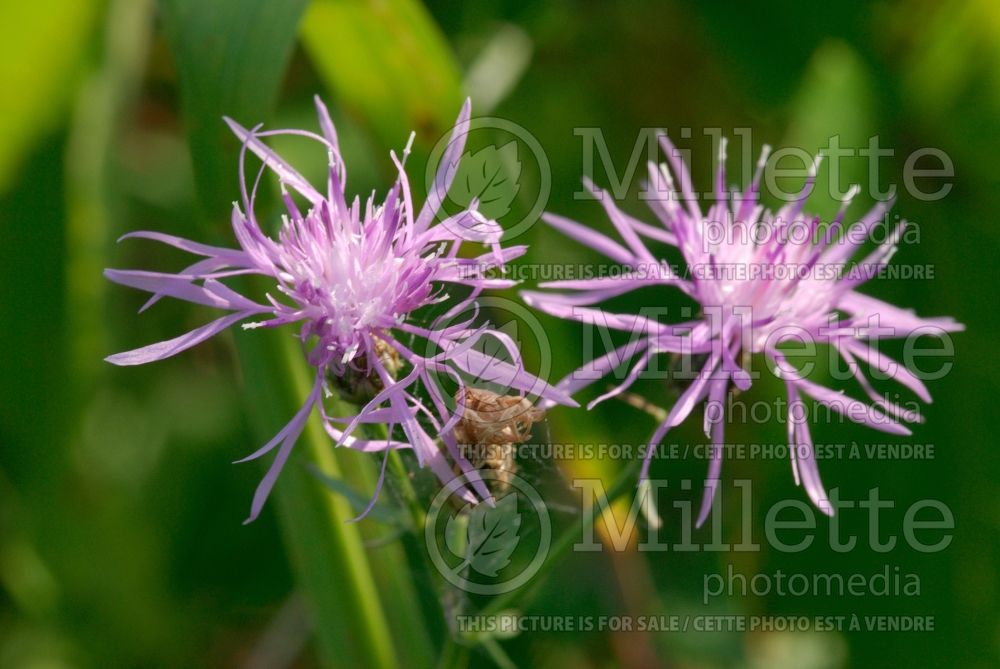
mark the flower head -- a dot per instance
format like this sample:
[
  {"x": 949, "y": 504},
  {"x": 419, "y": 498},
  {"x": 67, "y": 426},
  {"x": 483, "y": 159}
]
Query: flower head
[
  {"x": 355, "y": 279},
  {"x": 761, "y": 279}
]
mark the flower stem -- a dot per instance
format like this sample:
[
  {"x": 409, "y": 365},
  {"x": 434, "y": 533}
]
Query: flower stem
[
  {"x": 454, "y": 656},
  {"x": 326, "y": 551},
  {"x": 418, "y": 515},
  {"x": 564, "y": 542}
]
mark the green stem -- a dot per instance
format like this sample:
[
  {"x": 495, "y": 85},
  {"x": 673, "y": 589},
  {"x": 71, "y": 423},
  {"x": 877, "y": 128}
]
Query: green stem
[
  {"x": 326, "y": 551},
  {"x": 104, "y": 99},
  {"x": 454, "y": 656},
  {"x": 392, "y": 566},
  {"x": 416, "y": 549},
  {"x": 418, "y": 516},
  {"x": 563, "y": 543},
  {"x": 497, "y": 654}
]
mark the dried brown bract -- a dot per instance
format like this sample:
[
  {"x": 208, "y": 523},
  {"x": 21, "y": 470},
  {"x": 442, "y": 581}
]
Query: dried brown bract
[
  {"x": 490, "y": 426},
  {"x": 357, "y": 385},
  {"x": 489, "y": 418},
  {"x": 498, "y": 458}
]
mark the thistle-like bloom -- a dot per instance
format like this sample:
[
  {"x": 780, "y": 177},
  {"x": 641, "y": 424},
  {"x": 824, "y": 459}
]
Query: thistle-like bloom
[
  {"x": 352, "y": 277},
  {"x": 761, "y": 279}
]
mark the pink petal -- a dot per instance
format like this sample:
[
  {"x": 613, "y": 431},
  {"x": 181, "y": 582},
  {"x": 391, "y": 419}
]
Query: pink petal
[{"x": 165, "y": 349}]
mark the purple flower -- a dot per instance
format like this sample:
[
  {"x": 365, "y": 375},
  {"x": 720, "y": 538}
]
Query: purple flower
[
  {"x": 761, "y": 279},
  {"x": 352, "y": 276}
]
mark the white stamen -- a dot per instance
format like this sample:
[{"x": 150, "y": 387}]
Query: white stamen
[
  {"x": 765, "y": 153},
  {"x": 665, "y": 173},
  {"x": 349, "y": 353},
  {"x": 648, "y": 505},
  {"x": 814, "y": 168},
  {"x": 409, "y": 145}
]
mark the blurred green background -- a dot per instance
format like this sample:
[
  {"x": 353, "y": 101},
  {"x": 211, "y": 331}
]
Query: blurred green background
[{"x": 120, "y": 535}]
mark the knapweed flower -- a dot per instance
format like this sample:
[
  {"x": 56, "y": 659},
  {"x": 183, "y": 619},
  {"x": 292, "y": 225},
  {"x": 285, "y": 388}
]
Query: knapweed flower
[
  {"x": 761, "y": 280},
  {"x": 352, "y": 277}
]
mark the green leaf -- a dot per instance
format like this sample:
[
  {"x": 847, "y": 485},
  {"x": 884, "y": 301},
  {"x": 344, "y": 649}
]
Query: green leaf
[
  {"x": 491, "y": 176},
  {"x": 231, "y": 57},
  {"x": 42, "y": 46},
  {"x": 107, "y": 92},
  {"x": 835, "y": 98},
  {"x": 359, "y": 502},
  {"x": 388, "y": 64}
]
